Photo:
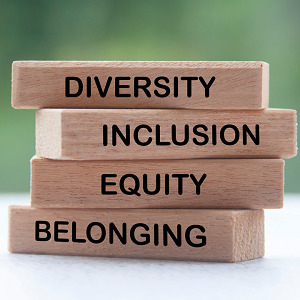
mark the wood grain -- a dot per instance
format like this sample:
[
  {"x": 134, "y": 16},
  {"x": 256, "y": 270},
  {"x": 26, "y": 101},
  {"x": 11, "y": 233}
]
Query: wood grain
[
  {"x": 78, "y": 134},
  {"x": 231, "y": 235},
  {"x": 229, "y": 183},
  {"x": 238, "y": 85}
]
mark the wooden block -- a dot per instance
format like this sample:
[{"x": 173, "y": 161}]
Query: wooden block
[
  {"x": 92, "y": 134},
  {"x": 183, "y": 234},
  {"x": 136, "y": 84},
  {"x": 207, "y": 183}
]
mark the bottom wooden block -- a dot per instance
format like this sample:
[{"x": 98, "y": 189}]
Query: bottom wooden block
[{"x": 181, "y": 234}]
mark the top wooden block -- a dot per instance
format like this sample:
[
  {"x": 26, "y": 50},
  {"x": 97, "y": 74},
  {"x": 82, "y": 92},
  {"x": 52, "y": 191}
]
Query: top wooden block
[{"x": 137, "y": 84}]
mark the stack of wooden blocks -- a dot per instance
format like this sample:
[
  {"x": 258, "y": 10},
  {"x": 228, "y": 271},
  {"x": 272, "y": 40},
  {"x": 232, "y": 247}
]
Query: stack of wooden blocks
[{"x": 164, "y": 160}]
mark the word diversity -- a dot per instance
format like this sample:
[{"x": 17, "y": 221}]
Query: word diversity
[
  {"x": 164, "y": 160},
  {"x": 137, "y": 86}
]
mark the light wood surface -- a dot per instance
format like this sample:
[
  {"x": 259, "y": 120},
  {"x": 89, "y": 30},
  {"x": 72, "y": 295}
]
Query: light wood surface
[
  {"x": 230, "y": 235},
  {"x": 79, "y": 134},
  {"x": 237, "y": 85},
  {"x": 208, "y": 183}
]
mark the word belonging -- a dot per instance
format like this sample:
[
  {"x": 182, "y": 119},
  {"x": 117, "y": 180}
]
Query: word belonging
[{"x": 102, "y": 233}]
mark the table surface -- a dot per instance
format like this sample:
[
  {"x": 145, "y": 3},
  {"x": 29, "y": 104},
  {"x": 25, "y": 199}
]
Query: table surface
[{"x": 276, "y": 276}]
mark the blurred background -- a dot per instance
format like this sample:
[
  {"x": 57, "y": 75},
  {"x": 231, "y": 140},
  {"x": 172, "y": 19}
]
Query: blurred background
[{"x": 257, "y": 30}]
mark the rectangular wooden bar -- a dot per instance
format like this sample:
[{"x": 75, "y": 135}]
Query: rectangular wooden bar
[
  {"x": 140, "y": 84},
  {"x": 183, "y": 234},
  {"x": 193, "y": 183},
  {"x": 116, "y": 134}
]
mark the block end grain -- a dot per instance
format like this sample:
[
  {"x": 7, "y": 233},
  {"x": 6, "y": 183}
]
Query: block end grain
[
  {"x": 48, "y": 133},
  {"x": 296, "y": 134},
  {"x": 265, "y": 85},
  {"x": 248, "y": 235},
  {"x": 14, "y": 85},
  {"x": 290, "y": 127},
  {"x": 9, "y": 241}
]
